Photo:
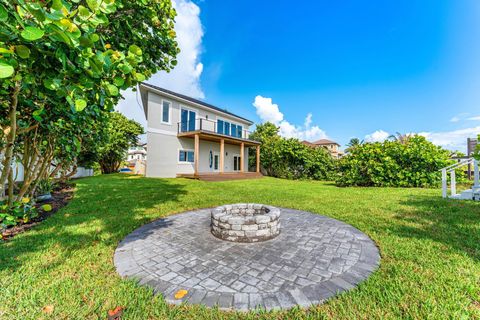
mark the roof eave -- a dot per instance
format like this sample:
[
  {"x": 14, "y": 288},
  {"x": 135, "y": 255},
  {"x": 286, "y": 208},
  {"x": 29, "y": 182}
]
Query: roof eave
[{"x": 148, "y": 87}]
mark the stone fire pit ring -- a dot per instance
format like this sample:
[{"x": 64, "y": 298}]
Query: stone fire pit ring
[{"x": 245, "y": 222}]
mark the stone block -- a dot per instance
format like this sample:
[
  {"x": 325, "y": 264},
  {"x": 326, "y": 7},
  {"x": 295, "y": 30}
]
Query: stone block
[
  {"x": 236, "y": 227},
  {"x": 236, "y": 233},
  {"x": 224, "y": 226},
  {"x": 250, "y": 233},
  {"x": 262, "y": 226},
  {"x": 262, "y": 219},
  {"x": 224, "y": 218},
  {"x": 263, "y": 233},
  {"x": 236, "y": 220},
  {"x": 250, "y": 227}
]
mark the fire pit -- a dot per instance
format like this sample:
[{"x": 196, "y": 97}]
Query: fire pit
[{"x": 245, "y": 222}]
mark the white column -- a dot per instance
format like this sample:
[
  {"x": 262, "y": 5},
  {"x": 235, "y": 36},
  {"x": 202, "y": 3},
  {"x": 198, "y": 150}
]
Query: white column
[
  {"x": 476, "y": 183},
  {"x": 444, "y": 183},
  {"x": 453, "y": 183}
]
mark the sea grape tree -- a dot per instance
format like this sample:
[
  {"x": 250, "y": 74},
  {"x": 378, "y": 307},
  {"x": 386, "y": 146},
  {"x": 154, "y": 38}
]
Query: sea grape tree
[{"x": 63, "y": 64}]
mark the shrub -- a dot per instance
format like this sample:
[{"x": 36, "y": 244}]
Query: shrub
[
  {"x": 289, "y": 158},
  {"x": 414, "y": 162},
  {"x": 19, "y": 212},
  {"x": 45, "y": 186}
]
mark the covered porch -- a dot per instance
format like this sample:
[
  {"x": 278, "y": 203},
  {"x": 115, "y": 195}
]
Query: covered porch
[{"x": 217, "y": 167}]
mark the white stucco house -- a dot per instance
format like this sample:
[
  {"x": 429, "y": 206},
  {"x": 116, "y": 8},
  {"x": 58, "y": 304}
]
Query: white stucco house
[
  {"x": 187, "y": 137},
  {"x": 137, "y": 152}
]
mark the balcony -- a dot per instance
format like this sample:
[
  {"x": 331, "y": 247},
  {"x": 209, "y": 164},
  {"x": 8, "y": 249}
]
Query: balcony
[{"x": 215, "y": 131}]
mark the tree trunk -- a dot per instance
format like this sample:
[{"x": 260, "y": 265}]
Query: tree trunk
[{"x": 11, "y": 136}]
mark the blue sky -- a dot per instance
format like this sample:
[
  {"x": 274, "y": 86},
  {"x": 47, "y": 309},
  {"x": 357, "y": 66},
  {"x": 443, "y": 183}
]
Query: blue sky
[{"x": 358, "y": 68}]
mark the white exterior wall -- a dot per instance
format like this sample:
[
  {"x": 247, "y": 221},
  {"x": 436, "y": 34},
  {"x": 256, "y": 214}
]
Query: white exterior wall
[{"x": 164, "y": 145}]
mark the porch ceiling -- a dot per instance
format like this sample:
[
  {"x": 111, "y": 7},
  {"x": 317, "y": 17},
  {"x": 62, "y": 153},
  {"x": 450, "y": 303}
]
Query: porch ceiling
[{"x": 216, "y": 137}]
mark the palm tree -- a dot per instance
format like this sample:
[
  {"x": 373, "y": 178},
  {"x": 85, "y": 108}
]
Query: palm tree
[
  {"x": 354, "y": 143},
  {"x": 400, "y": 137}
]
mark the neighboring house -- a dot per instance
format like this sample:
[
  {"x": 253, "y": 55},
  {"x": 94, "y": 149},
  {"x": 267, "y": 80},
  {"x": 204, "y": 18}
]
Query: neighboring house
[
  {"x": 188, "y": 137},
  {"x": 138, "y": 152},
  {"x": 330, "y": 145},
  {"x": 137, "y": 158}
]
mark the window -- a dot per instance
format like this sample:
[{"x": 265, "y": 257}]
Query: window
[
  {"x": 236, "y": 163},
  {"x": 186, "y": 156},
  {"x": 187, "y": 119},
  {"x": 226, "y": 129},
  {"x": 215, "y": 162},
  {"x": 239, "y": 131},
  {"x": 220, "y": 125},
  {"x": 166, "y": 107},
  {"x": 229, "y": 129}
]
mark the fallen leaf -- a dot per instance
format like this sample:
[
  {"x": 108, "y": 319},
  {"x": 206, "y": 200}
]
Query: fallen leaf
[
  {"x": 115, "y": 312},
  {"x": 180, "y": 294},
  {"x": 47, "y": 309}
]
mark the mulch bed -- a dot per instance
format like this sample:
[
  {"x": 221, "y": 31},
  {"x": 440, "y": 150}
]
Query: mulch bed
[{"x": 60, "y": 198}]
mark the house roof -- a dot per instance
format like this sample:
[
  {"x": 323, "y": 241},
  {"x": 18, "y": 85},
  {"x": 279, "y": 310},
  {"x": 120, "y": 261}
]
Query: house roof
[
  {"x": 307, "y": 143},
  {"x": 189, "y": 99},
  {"x": 323, "y": 142}
]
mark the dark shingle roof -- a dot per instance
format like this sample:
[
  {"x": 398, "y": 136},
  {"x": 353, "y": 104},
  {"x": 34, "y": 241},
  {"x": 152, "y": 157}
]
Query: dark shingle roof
[{"x": 182, "y": 96}]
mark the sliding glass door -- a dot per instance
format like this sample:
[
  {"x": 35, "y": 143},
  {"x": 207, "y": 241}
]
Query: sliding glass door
[{"x": 187, "y": 121}]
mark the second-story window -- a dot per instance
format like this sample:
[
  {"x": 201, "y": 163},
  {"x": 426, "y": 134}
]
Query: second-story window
[
  {"x": 229, "y": 129},
  {"x": 166, "y": 107}
]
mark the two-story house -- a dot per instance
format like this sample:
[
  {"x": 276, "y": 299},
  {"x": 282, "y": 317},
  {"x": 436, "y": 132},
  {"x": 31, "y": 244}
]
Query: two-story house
[
  {"x": 331, "y": 146},
  {"x": 190, "y": 138}
]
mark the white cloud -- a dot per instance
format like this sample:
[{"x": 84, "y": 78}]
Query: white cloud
[
  {"x": 267, "y": 110},
  {"x": 452, "y": 140},
  {"x": 270, "y": 112},
  {"x": 377, "y": 136},
  {"x": 455, "y": 119},
  {"x": 185, "y": 77},
  {"x": 477, "y": 118}
]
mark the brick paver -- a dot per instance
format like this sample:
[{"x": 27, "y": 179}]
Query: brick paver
[{"x": 313, "y": 259}]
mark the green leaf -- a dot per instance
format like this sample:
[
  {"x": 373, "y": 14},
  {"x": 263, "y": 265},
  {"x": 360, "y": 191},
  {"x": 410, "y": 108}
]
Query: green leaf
[
  {"x": 52, "y": 84},
  {"x": 140, "y": 77},
  {"x": 3, "y": 14},
  {"x": 94, "y": 37},
  {"x": 37, "y": 115},
  {"x": 86, "y": 42},
  {"x": 57, "y": 4},
  {"x": 135, "y": 50},
  {"x": 118, "y": 81},
  {"x": 80, "y": 104},
  {"x": 93, "y": 5},
  {"x": 6, "y": 70},
  {"x": 83, "y": 12},
  {"x": 5, "y": 51},
  {"x": 112, "y": 90},
  {"x": 32, "y": 33},
  {"x": 23, "y": 51},
  {"x": 125, "y": 68}
]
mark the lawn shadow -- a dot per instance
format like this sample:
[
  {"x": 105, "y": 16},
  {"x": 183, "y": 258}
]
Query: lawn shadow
[
  {"x": 454, "y": 223},
  {"x": 102, "y": 211}
]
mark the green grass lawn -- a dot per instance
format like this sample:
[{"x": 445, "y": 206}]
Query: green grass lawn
[{"x": 430, "y": 249}]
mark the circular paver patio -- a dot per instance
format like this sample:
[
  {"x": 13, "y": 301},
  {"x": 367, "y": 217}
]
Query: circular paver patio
[{"x": 313, "y": 259}]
